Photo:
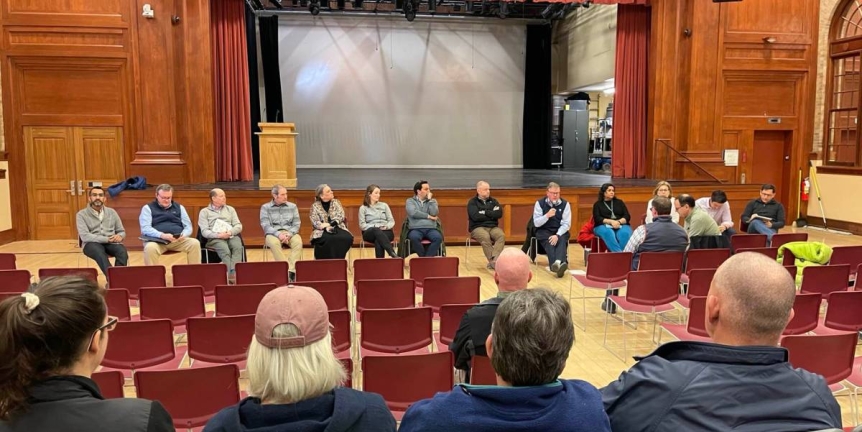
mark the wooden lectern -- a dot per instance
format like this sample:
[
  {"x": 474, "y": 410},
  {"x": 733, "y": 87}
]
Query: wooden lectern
[{"x": 277, "y": 155}]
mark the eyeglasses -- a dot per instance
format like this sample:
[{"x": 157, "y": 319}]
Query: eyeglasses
[
  {"x": 109, "y": 326},
  {"x": 97, "y": 194},
  {"x": 164, "y": 197}
]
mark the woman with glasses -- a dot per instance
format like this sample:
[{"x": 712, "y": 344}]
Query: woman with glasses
[
  {"x": 662, "y": 189},
  {"x": 51, "y": 341}
]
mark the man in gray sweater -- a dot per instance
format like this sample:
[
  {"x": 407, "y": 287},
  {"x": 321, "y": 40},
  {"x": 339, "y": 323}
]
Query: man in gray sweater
[
  {"x": 422, "y": 215},
  {"x": 220, "y": 226},
  {"x": 101, "y": 231}
]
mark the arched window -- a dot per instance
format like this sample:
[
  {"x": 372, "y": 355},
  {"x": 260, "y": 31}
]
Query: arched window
[{"x": 842, "y": 118}]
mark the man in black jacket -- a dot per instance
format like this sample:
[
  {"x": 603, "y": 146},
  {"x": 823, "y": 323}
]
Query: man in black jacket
[
  {"x": 484, "y": 213},
  {"x": 764, "y": 215},
  {"x": 742, "y": 381}
]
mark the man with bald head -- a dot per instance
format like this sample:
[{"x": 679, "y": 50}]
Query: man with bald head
[
  {"x": 512, "y": 274},
  {"x": 220, "y": 226},
  {"x": 484, "y": 213},
  {"x": 741, "y": 381}
]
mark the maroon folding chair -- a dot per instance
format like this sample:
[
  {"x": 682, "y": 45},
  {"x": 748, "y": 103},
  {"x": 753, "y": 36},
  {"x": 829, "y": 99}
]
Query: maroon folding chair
[
  {"x": 450, "y": 320},
  {"x": 425, "y": 267},
  {"x": 395, "y": 331},
  {"x": 271, "y": 272},
  {"x": 84, "y": 272},
  {"x": 780, "y": 239},
  {"x": 768, "y": 251},
  {"x": 806, "y": 310},
  {"x": 7, "y": 295},
  {"x": 342, "y": 339},
  {"x": 117, "y": 300},
  {"x": 384, "y": 294},
  {"x": 694, "y": 328},
  {"x": 787, "y": 258},
  {"x": 135, "y": 278},
  {"x": 334, "y": 293},
  {"x": 481, "y": 371},
  {"x": 747, "y": 241},
  {"x": 649, "y": 292},
  {"x": 240, "y": 299},
  {"x": 843, "y": 313},
  {"x": 425, "y": 243},
  {"x": 7, "y": 261},
  {"x": 703, "y": 259},
  {"x": 15, "y": 281},
  {"x": 825, "y": 279},
  {"x": 110, "y": 384},
  {"x": 321, "y": 270},
  {"x": 807, "y": 352},
  {"x": 699, "y": 282},
  {"x": 450, "y": 290},
  {"x": 851, "y": 255},
  {"x": 219, "y": 340},
  {"x": 660, "y": 261},
  {"x": 396, "y": 378},
  {"x": 177, "y": 304},
  {"x": 347, "y": 364},
  {"x": 792, "y": 270},
  {"x": 205, "y": 275},
  {"x": 191, "y": 396},
  {"x": 136, "y": 345},
  {"x": 606, "y": 272},
  {"x": 373, "y": 268}
]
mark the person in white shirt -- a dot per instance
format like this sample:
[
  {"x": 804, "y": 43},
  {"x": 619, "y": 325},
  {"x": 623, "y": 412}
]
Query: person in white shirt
[{"x": 718, "y": 208}]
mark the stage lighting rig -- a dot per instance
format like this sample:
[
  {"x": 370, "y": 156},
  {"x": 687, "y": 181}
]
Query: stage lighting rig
[{"x": 277, "y": 4}]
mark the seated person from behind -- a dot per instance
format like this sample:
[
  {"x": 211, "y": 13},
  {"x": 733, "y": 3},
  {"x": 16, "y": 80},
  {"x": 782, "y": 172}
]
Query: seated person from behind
[
  {"x": 166, "y": 220},
  {"x": 697, "y": 222},
  {"x": 740, "y": 381},
  {"x": 101, "y": 231},
  {"x": 764, "y": 215},
  {"x": 530, "y": 340},
  {"x": 662, "y": 235},
  {"x": 717, "y": 207},
  {"x": 220, "y": 225},
  {"x": 422, "y": 215},
  {"x": 512, "y": 274}
]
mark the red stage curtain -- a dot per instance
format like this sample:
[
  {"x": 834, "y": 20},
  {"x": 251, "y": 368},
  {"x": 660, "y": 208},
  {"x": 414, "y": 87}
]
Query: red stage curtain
[
  {"x": 230, "y": 75},
  {"x": 630, "y": 100}
]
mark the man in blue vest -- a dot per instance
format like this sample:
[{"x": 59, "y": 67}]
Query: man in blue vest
[
  {"x": 165, "y": 226},
  {"x": 663, "y": 235},
  {"x": 552, "y": 217}
]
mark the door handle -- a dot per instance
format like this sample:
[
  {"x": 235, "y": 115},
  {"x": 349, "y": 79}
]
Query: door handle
[
  {"x": 71, "y": 187},
  {"x": 80, "y": 187}
]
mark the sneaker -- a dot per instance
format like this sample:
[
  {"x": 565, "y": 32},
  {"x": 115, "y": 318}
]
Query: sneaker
[
  {"x": 561, "y": 270},
  {"x": 555, "y": 266},
  {"x": 609, "y": 306}
]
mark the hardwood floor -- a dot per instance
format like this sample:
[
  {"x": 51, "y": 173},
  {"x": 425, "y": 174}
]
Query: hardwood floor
[{"x": 589, "y": 360}]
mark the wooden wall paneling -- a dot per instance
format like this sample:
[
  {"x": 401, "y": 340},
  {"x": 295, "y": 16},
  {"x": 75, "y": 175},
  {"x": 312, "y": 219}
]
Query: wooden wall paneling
[
  {"x": 68, "y": 13},
  {"x": 701, "y": 116},
  {"x": 786, "y": 21},
  {"x": 66, "y": 41},
  {"x": 100, "y": 156},
  {"x": 665, "y": 92}
]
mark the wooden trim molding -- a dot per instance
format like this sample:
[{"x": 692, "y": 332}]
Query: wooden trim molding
[
  {"x": 851, "y": 227},
  {"x": 4, "y": 156},
  {"x": 7, "y": 236},
  {"x": 843, "y": 170},
  {"x": 2, "y": 174}
]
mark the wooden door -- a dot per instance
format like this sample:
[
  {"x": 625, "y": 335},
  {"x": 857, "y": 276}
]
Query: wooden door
[
  {"x": 99, "y": 154},
  {"x": 771, "y": 163},
  {"x": 51, "y": 176}
]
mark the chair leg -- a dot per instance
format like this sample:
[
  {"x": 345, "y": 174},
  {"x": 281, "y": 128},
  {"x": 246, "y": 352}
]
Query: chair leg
[
  {"x": 264, "y": 251},
  {"x": 467, "y": 250}
]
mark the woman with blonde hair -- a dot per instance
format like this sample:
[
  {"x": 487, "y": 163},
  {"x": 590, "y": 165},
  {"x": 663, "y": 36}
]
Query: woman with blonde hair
[
  {"x": 294, "y": 377},
  {"x": 663, "y": 189}
]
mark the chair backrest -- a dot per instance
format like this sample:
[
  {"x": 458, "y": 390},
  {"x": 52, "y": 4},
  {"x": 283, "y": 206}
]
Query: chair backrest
[
  {"x": 7, "y": 295},
  {"x": 792, "y": 270},
  {"x": 747, "y": 241},
  {"x": 780, "y": 239},
  {"x": 385, "y": 294},
  {"x": 450, "y": 320},
  {"x": 334, "y": 293},
  {"x": 609, "y": 267},
  {"x": 844, "y": 311},
  {"x": 481, "y": 371},
  {"x": 191, "y": 396},
  {"x": 851, "y": 255},
  {"x": 347, "y": 364},
  {"x": 660, "y": 261},
  {"x": 140, "y": 344},
  {"x": 425, "y": 267},
  {"x": 768, "y": 251},
  {"x": 788, "y": 259},
  {"x": 135, "y": 278},
  {"x": 450, "y": 290},
  {"x": 396, "y": 330},
  {"x": 7, "y": 261},
  {"x": 398, "y": 380},
  {"x": 825, "y": 279},
  {"x": 175, "y": 303},
  {"x": 14, "y": 280},
  {"x": 373, "y": 268},
  {"x": 205, "y": 275},
  {"x": 117, "y": 300},
  {"x": 806, "y": 312},
  {"x": 699, "y": 281},
  {"x": 321, "y": 270},
  {"x": 84, "y": 272},
  {"x": 696, "y": 324},
  {"x": 341, "y": 333},
  {"x": 222, "y": 339},
  {"x": 110, "y": 384},
  {"x": 807, "y": 352},
  {"x": 240, "y": 299},
  {"x": 705, "y": 259},
  {"x": 653, "y": 287},
  {"x": 274, "y": 272}
]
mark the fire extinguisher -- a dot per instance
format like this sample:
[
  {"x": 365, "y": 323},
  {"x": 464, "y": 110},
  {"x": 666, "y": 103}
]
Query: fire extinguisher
[{"x": 805, "y": 188}]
